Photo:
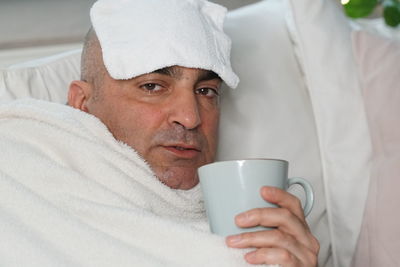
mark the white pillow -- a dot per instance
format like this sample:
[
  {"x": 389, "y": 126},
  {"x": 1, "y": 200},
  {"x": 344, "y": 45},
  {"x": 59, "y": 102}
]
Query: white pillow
[
  {"x": 269, "y": 115},
  {"x": 378, "y": 59},
  {"x": 322, "y": 36},
  {"x": 46, "y": 78}
]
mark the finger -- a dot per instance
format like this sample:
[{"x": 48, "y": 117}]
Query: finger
[
  {"x": 284, "y": 220},
  {"x": 283, "y": 199},
  {"x": 272, "y": 239},
  {"x": 259, "y": 239},
  {"x": 272, "y": 256},
  {"x": 280, "y": 218}
]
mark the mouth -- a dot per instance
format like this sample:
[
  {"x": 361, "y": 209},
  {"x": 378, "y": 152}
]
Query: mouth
[{"x": 183, "y": 150}]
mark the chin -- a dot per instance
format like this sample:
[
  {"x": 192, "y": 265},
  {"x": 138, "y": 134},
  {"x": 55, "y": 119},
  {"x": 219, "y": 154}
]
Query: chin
[{"x": 178, "y": 177}]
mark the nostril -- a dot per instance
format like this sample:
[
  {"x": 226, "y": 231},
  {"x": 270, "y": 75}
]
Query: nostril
[
  {"x": 188, "y": 121},
  {"x": 185, "y": 111}
]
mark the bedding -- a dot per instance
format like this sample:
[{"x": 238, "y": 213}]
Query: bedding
[
  {"x": 378, "y": 60},
  {"x": 322, "y": 38},
  {"x": 45, "y": 78},
  {"x": 71, "y": 195}
]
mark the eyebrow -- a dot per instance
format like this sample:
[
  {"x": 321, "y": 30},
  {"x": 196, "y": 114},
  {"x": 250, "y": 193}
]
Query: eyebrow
[
  {"x": 169, "y": 71},
  {"x": 176, "y": 73},
  {"x": 207, "y": 76}
]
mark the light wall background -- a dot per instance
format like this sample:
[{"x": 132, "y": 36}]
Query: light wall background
[{"x": 35, "y": 28}]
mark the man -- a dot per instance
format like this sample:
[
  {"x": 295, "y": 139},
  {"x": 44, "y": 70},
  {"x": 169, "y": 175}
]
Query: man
[{"x": 169, "y": 116}]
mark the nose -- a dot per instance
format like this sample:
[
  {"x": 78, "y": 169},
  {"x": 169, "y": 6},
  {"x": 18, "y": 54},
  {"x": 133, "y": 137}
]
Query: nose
[{"x": 185, "y": 110}]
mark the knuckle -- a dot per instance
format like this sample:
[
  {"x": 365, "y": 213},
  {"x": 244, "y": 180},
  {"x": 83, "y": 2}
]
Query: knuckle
[
  {"x": 315, "y": 245},
  {"x": 297, "y": 203},
  {"x": 286, "y": 214},
  {"x": 289, "y": 241},
  {"x": 255, "y": 214},
  {"x": 285, "y": 240},
  {"x": 285, "y": 256},
  {"x": 312, "y": 259},
  {"x": 312, "y": 255},
  {"x": 278, "y": 236}
]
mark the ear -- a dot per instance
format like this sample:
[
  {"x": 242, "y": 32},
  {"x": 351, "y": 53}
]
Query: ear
[{"x": 79, "y": 94}]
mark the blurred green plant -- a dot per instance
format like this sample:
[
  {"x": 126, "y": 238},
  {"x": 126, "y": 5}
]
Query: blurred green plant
[{"x": 364, "y": 8}]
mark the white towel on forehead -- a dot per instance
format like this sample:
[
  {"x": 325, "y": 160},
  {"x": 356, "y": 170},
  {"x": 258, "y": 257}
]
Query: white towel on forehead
[{"x": 141, "y": 36}]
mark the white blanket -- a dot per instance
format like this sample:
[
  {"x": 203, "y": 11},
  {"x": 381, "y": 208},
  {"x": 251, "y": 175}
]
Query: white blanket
[{"x": 71, "y": 195}]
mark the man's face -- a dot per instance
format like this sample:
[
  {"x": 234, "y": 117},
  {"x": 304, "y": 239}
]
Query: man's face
[{"x": 170, "y": 117}]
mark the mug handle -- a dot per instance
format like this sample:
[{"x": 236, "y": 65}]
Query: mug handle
[{"x": 308, "y": 190}]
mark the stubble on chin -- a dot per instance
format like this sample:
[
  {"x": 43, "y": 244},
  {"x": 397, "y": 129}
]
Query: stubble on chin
[
  {"x": 177, "y": 177},
  {"x": 179, "y": 173}
]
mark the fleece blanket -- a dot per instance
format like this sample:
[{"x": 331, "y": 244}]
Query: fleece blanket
[{"x": 72, "y": 195}]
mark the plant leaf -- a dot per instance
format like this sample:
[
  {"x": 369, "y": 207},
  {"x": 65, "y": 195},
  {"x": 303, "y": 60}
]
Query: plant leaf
[
  {"x": 360, "y": 8},
  {"x": 391, "y": 13}
]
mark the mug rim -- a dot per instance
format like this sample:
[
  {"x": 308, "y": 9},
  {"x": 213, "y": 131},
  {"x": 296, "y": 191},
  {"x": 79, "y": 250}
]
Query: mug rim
[{"x": 245, "y": 159}]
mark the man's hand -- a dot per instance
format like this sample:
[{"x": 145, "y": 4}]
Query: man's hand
[{"x": 290, "y": 244}]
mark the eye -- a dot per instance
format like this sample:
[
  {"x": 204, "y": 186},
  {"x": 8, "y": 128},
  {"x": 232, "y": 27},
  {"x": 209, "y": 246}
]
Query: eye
[
  {"x": 209, "y": 92},
  {"x": 151, "y": 87}
]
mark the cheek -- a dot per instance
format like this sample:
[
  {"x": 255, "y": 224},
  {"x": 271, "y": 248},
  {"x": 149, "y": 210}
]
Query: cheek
[
  {"x": 210, "y": 130},
  {"x": 139, "y": 124},
  {"x": 131, "y": 123}
]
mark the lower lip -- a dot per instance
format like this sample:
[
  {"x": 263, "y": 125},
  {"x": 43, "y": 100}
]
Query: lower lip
[{"x": 187, "y": 154}]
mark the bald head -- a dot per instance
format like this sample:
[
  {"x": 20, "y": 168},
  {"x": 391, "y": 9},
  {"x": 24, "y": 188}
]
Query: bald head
[{"x": 92, "y": 65}]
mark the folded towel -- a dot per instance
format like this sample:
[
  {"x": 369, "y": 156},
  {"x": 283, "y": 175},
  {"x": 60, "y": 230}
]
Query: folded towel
[
  {"x": 71, "y": 195},
  {"x": 139, "y": 37}
]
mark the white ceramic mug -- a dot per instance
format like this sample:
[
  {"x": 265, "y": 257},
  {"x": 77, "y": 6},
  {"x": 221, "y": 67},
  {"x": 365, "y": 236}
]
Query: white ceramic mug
[{"x": 233, "y": 187}]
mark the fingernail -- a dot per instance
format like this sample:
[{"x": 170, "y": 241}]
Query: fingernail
[
  {"x": 268, "y": 192},
  {"x": 234, "y": 239},
  {"x": 251, "y": 257},
  {"x": 242, "y": 217},
  {"x": 266, "y": 189}
]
